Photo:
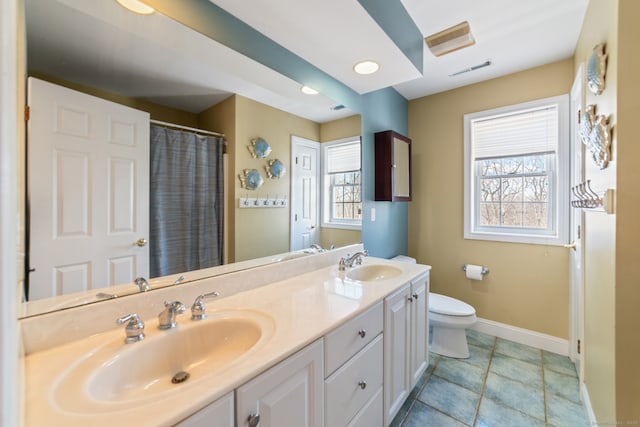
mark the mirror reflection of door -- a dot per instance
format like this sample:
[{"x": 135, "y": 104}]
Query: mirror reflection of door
[
  {"x": 88, "y": 178},
  {"x": 305, "y": 190}
]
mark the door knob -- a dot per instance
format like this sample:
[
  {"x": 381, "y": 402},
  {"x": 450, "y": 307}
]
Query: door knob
[
  {"x": 253, "y": 420},
  {"x": 571, "y": 245},
  {"x": 141, "y": 242}
]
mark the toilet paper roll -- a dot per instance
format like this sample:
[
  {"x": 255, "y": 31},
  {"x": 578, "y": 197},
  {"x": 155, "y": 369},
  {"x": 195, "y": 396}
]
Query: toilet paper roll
[{"x": 474, "y": 272}]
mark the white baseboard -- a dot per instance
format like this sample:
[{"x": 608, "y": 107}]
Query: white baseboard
[
  {"x": 523, "y": 336},
  {"x": 586, "y": 402}
]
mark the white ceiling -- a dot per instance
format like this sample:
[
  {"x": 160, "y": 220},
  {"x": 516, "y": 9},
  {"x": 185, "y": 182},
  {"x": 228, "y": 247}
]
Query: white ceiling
[
  {"x": 334, "y": 34},
  {"x": 97, "y": 43}
]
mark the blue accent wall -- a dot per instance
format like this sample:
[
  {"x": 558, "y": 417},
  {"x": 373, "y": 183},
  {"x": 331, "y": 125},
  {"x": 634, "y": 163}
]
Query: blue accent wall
[{"x": 380, "y": 110}]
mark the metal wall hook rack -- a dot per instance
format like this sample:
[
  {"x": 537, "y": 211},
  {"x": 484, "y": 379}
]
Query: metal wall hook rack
[
  {"x": 263, "y": 202},
  {"x": 586, "y": 198}
]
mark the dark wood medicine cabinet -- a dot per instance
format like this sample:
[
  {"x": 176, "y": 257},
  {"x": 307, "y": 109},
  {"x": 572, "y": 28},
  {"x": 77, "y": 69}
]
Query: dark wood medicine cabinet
[{"x": 393, "y": 167}]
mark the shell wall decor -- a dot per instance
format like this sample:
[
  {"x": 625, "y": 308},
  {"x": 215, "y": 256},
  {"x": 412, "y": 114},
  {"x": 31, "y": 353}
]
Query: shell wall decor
[
  {"x": 597, "y": 69},
  {"x": 595, "y": 132}
]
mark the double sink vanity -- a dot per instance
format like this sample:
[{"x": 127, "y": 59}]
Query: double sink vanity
[{"x": 294, "y": 343}]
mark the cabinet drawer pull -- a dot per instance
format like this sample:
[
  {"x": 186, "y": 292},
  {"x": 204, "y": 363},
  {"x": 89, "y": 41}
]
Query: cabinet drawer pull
[
  {"x": 253, "y": 420},
  {"x": 362, "y": 384},
  {"x": 415, "y": 296},
  {"x": 362, "y": 333}
]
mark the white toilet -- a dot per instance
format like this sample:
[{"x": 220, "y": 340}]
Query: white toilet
[{"x": 448, "y": 320}]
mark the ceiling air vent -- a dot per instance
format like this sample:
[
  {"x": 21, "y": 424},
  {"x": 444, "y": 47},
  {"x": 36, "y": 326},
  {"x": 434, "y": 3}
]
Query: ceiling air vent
[{"x": 449, "y": 40}]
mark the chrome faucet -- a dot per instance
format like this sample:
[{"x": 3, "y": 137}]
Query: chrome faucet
[
  {"x": 167, "y": 317},
  {"x": 350, "y": 260},
  {"x": 198, "y": 308},
  {"x": 142, "y": 283},
  {"x": 134, "y": 329}
]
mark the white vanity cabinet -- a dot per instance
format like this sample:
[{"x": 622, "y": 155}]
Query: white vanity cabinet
[
  {"x": 217, "y": 414},
  {"x": 354, "y": 370},
  {"x": 290, "y": 394},
  {"x": 405, "y": 342}
]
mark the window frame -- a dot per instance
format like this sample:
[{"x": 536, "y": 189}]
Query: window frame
[
  {"x": 558, "y": 231},
  {"x": 326, "y": 204}
]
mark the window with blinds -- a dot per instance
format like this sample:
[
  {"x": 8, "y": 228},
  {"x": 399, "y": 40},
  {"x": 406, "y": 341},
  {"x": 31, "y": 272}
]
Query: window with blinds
[
  {"x": 342, "y": 201},
  {"x": 515, "y": 163}
]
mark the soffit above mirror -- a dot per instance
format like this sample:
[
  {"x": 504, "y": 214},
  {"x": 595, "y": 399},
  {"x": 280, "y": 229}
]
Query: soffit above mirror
[{"x": 102, "y": 45}]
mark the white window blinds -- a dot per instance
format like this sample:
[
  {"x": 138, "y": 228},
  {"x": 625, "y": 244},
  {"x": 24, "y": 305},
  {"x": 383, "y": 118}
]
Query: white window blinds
[
  {"x": 528, "y": 132},
  {"x": 343, "y": 157}
]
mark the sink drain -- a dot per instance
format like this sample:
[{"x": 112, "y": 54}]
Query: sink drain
[{"x": 180, "y": 377}]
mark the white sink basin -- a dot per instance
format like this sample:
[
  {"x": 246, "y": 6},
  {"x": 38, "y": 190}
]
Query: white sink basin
[
  {"x": 126, "y": 374},
  {"x": 373, "y": 273}
]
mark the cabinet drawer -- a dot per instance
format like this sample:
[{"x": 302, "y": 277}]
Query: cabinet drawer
[
  {"x": 371, "y": 414},
  {"x": 218, "y": 414},
  {"x": 344, "y": 394},
  {"x": 349, "y": 338}
]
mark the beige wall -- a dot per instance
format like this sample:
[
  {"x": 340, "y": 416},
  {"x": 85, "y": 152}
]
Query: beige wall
[
  {"x": 341, "y": 128},
  {"x": 332, "y": 131},
  {"x": 612, "y": 294},
  {"x": 627, "y": 299},
  {"x": 528, "y": 285},
  {"x": 600, "y": 25},
  {"x": 263, "y": 232}
]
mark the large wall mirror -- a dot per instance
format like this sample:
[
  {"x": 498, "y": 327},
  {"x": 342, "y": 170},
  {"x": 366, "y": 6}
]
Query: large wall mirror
[{"x": 176, "y": 76}]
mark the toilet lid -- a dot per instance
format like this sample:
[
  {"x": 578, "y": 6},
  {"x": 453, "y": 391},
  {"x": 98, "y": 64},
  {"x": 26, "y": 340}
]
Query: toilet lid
[{"x": 443, "y": 304}]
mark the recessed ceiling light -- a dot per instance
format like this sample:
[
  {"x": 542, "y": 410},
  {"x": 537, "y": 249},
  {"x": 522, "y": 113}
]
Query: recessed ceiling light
[
  {"x": 136, "y": 6},
  {"x": 366, "y": 67},
  {"x": 308, "y": 90}
]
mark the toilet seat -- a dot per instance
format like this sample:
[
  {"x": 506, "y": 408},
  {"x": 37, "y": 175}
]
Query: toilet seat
[{"x": 442, "y": 304}]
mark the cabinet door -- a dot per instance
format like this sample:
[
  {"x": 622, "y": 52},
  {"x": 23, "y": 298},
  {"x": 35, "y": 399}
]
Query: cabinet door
[
  {"x": 397, "y": 340},
  {"x": 419, "y": 328},
  {"x": 288, "y": 395},
  {"x": 217, "y": 414}
]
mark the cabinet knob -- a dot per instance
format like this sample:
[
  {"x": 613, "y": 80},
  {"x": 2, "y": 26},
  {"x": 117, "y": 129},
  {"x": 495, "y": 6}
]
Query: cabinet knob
[
  {"x": 415, "y": 296},
  {"x": 362, "y": 333},
  {"x": 410, "y": 298},
  {"x": 362, "y": 384},
  {"x": 253, "y": 420}
]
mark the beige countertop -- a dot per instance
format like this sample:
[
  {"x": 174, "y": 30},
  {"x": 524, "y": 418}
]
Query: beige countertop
[{"x": 302, "y": 309}]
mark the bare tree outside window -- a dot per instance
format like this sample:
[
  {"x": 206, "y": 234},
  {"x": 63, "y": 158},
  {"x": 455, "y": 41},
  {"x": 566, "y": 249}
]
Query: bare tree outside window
[
  {"x": 346, "y": 196},
  {"x": 514, "y": 191}
]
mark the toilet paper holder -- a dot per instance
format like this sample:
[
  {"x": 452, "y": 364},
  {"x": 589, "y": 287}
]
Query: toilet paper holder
[{"x": 484, "y": 271}]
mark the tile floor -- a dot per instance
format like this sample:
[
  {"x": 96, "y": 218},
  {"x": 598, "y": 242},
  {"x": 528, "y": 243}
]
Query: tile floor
[{"x": 503, "y": 384}]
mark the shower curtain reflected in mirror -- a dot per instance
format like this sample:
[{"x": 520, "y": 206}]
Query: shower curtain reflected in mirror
[{"x": 186, "y": 201}]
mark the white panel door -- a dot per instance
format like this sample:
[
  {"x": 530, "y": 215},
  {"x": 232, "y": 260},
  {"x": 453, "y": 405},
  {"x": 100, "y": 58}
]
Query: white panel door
[
  {"x": 576, "y": 257},
  {"x": 305, "y": 193},
  {"x": 397, "y": 342},
  {"x": 88, "y": 174},
  {"x": 419, "y": 328}
]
